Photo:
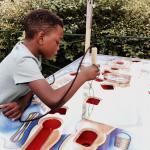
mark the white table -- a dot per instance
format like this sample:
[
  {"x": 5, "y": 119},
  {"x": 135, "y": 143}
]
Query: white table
[{"x": 124, "y": 107}]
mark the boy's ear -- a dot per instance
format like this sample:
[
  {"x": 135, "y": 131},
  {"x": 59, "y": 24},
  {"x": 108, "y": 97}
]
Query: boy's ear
[{"x": 40, "y": 37}]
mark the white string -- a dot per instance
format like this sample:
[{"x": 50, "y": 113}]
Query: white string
[{"x": 91, "y": 94}]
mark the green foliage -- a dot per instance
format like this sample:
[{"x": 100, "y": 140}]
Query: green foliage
[
  {"x": 128, "y": 46},
  {"x": 136, "y": 20},
  {"x": 110, "y": 17},
  {"x": 12, "y": 15},
  {"x": 122, "y": 18}
]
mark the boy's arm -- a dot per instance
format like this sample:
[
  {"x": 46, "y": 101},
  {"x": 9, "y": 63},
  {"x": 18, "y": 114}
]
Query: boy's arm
[
  {"x": 52, "y": 97},
  {"x": 25, "y": 100},
  {"x": 14, "y": 110}
]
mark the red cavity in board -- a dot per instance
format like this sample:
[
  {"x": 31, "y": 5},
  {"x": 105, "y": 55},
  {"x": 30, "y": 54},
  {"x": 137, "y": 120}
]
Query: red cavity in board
[
  {"x": 119, "y": 62},
  {"x": 107, "y": 87},
  {"x": 114, "y": 68},
  {"x": 99, "y": 80},
  {"x": 39, "y": 140},
  {"x": 61, "y": 111},
  {"x": 136, "y": 60},
  {"x": 106, "y": 71},
  {"x": 86, "y": 138},
  {"x": 93, "y": 101}
]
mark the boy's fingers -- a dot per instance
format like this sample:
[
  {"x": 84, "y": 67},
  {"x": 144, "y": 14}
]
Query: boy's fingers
[
  {"x": 17, "y": 117},
  {"x": 5, "y": 109},
  {"x": 98, "y": 73},
  {"x": 97, "y": 66},
  {"x": 1, "y": 106},
  {"x": 8, "y": 112},
  {"x": 5, "y": 105},
  {"x": 14, "y": 115}
]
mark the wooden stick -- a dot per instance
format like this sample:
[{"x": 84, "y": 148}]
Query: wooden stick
[
  {"x": 94, "y": 55},
  {"x": 88, "y": 23}
]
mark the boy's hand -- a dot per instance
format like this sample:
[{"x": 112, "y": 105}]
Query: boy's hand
[
  {"x": 90, "y": 72},
  {"x": 12, "y": 110}
]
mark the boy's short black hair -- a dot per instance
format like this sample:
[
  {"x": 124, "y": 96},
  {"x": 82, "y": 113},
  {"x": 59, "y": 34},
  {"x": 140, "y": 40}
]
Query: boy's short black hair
[{"x": 40, "y": 20}]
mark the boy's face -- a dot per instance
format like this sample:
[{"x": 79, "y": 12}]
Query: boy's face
[{"x": 50, "y": 42}]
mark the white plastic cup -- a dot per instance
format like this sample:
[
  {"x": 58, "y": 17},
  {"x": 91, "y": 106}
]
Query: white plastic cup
[{"x": 122, "y": 141}]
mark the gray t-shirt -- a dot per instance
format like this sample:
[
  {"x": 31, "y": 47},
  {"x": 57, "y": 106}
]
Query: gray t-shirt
[{"x": 16, "y": 70}]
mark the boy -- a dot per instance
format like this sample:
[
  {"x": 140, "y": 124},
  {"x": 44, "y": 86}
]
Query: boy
[{"x": 20, "y": 74}]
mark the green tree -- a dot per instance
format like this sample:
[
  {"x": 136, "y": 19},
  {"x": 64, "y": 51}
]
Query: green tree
[{"x": 110, "y": 17}]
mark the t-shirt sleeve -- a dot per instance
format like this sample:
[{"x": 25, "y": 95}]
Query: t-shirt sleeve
[{"x": 27, "y": 70}]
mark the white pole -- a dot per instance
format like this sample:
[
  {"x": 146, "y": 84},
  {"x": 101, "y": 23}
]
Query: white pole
[
  {"x": 94, "y": 55},
  {"x": 89, "y": 12}
]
